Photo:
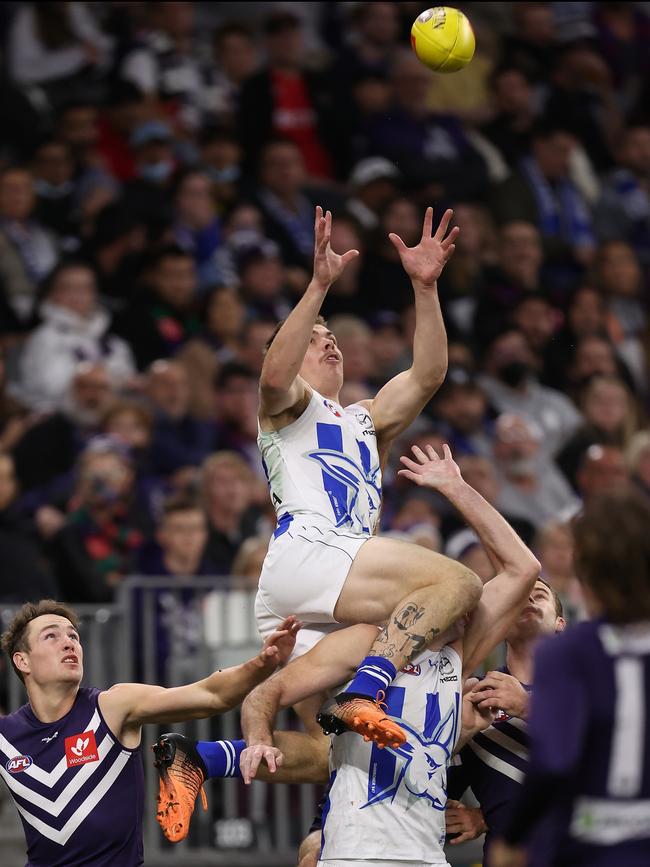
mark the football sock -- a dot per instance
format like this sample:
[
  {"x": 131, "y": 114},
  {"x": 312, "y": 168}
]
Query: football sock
[
  {"x": 373, "y": 674},
  {"x": 221, "y": 758}
]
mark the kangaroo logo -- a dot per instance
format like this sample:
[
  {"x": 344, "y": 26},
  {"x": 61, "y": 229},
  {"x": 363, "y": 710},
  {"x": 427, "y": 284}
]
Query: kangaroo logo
[
  {"x": 352, "y": 478},
  {"x": 422, "y": 758}
]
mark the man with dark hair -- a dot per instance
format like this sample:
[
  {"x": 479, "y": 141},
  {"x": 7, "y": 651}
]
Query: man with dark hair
[
  {"x": 590, "y": 753},
  {"x": 235, "y": 392},
  {"x": 494, "y": 762},
  {"x": 70, "y": 756}
]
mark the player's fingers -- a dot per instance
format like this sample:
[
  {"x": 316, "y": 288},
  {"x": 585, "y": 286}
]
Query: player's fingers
[
  {"x": 349, "y": 256},
  {"x": 453, "y": 805},
  {"x": 254, "y": 764},
  {"x": 407, "y": 474},
  {"x": 449, "y": 252},
  {"x": 419, "y": 454},
  {"x": 279, "y": 759},
  {"x": 269, "y": 756},
  {"x": 409, "y": 464},
  {"x": 451, "y": 237},
  {"x": 447, "y": 452},
  {"x": 431, "y": 452},
  {"x": 427, "y": 226},
  {"x": 317, "y": 218},
  {"x": 444, "y": 224},
  {"x": 462, "y": 838},
  {"x": 397, "y": 242}
]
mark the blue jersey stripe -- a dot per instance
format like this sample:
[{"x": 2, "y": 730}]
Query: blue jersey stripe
[
  {"x": 330, "y": 436},
  {"x": 381, "y": 772}
]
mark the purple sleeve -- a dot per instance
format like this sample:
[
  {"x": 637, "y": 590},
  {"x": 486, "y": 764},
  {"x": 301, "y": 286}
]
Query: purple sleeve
[{"x": 558, "y": 720}]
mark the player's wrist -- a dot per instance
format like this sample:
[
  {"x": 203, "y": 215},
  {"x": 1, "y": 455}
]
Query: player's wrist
[
  {"x": 318, "y": 285},
  {"x": 424, "y": 286}
]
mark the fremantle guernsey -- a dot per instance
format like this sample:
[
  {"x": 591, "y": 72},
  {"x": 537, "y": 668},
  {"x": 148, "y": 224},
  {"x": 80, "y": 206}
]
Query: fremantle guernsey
[
  {"x": 80, "y": 793},
  {"x": 389, "y": 804},
  {"x": 323, "y": 468}
]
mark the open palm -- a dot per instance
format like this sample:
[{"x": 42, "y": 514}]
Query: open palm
[
  {"x": 424, "y": 262},
  {"x": 328, "y": 265},
  {"x": 429, "y": 470}
]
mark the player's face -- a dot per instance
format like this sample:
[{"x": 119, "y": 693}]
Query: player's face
[
  {"x": 538, "y": 617},
  {"x": 55, "y": 654},
  {"x": 322, "y": 367}
]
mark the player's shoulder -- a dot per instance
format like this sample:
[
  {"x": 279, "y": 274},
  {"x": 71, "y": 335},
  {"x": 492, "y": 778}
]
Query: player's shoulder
[{"x": 12, "y": 722}]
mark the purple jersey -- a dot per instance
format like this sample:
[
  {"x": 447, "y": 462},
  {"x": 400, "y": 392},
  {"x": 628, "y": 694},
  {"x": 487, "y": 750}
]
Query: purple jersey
[
  {"x": 79, "y": 792},
  {"x": 590, "y": 746}
]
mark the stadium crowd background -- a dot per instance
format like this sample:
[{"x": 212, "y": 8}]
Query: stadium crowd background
[{"x": 159, "y": 167}]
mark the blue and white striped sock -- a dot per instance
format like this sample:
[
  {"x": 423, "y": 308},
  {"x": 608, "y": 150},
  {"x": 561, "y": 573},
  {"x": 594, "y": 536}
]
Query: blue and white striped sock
[
  {"x": 221, "y": 758},
  {"x": 373, "y": 674}
]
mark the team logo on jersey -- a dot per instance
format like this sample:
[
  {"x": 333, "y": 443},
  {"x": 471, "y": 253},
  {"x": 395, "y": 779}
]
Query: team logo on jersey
[
  {"x": 422, "y": 758},
  {"x": 81, "y": 749},
  {"x": 409, "y": 668},
  {"x": 332, "y": 408},
  {"x": 18, "y": 764},
  {"x": 351, "y": 479}
]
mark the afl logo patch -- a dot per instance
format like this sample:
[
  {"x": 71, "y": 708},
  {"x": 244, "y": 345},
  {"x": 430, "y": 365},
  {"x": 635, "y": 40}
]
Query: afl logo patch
[
  {"x": 18, "y": 764},
  {"x": 409, "y": 668},
  {"x": 332, "y": 408}
]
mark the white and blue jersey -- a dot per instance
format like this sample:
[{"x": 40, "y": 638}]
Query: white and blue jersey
[
  {"x": 325, "y": 484},
  {"x": 389, "y": 804}
]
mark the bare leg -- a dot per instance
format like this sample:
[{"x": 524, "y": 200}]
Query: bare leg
[{"x": 309, "y": 851}]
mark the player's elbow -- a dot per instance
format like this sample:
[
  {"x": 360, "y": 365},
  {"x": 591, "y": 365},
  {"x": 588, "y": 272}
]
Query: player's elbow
[
  {"x": 470, "y": 588},
  {"x": 530, "y": 570}
]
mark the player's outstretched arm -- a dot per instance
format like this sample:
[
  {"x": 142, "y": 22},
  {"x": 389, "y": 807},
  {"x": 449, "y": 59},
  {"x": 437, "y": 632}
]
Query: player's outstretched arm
[
  {"x": 130, "y": 705},
  {"x": 280, "y": 385},
  {"x": 330, "y": 663},
  {"x": 504, "y": 595},
  {"x": 402, "y": 399}
]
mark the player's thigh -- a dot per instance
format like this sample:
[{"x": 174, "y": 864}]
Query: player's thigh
[{"x": 384, "y": 571}]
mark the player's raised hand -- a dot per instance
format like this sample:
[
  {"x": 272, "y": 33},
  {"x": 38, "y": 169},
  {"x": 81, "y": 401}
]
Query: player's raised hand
[
  {"x": 328, "y": 265},
  {"x": 252, "y": 756},
  {"x": 424, "y": 262},
  {"x": 278, "y": 647},
  {"x": 429, "y": 470}
]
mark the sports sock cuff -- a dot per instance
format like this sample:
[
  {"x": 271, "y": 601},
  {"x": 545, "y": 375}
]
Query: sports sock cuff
[
  {"x": 221, "y": 758},
  {"x": 373, "y": 674}
]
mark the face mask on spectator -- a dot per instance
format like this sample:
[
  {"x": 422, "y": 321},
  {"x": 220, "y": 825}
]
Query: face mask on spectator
[
  {"x": 226, "y": 175},
  {"x": 514, "y": 373}
]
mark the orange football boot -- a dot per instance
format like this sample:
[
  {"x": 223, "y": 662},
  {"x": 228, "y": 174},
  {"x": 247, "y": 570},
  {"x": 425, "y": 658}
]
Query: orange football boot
[{"x": 182, "y": 774}]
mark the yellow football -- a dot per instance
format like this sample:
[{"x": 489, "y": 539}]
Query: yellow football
[{"x": 443, "y": 39}]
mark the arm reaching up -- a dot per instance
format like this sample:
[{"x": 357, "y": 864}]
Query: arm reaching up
[{"x": 281, "y": 386}]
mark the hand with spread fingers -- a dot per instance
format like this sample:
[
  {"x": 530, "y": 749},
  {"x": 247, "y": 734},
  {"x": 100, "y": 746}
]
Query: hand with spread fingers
[
  {"x": 429, "y": 470},
  {"x": 328, "y": 265},
  {"x": 252, "y": 756},
  {"x": 279, "y": 646},
  {"x": 424, "y": 262}
]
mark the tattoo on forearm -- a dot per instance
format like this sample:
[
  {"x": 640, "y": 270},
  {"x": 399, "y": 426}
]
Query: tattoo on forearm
[{"x": 408, "y": 616}]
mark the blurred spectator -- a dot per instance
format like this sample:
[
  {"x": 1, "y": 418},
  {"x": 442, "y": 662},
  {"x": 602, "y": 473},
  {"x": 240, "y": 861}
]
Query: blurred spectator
[
  {"x": 553, "y": 545},
  {"x": 637, "y": 457},
  {"x": 179, "y": 439},
  {"x": 542, "y": 193},
  {"x": 248, "y": 561},
  {"x": 510, "y": 385},
  {"x": 610, "y": 417},
  {"x": 252, "y": 345},
  {"x": 27, "y": 251},
  {"x": 262, "y": 280},
  {"x": 510, "y": 130},
  {"x": 164, "y": 65},
  {"x": 601, "y": 470},
  {"x": 56, "y": 201},
  {"x": 389, "y": 352},
  {"x": 197, "y": 228},
  {"x": 462, "y": 406},
  {"x": 530, "y": 485},
  {"x": 26, "y": 574},
  {"x": 433, "y": 151},
  {"x": 115, "y": 249},
  {"x": 537, "y": 320},
  {"x": 148, "y": 195},
  {"x": 14, "y": 417},
  {"x": 125, "y": 109},
  {"x": 517, "y": 273},
  {"x": 594, "y": 355},
  {"x": 284, "y": 99},
  {"x": 57, "y": 46},
  {"x": 623, "y": 31},
  {"x": 74, "y": 329},
  {"x": 49, "y": 448},
  {"x": 384, "y": 285},
  {"x": 343, "y": 296},
  {"x": 532, "y": 43},
  {"x": 229, "y": 492},
  {"x": 236, "y": 59},
  {"x": 235, "y": 397},
  {"x": 623, "y": 212},
  {"x": 620, "y": 278},
  {"x": 584, "y": 101},
  {"x": 371, "y": 37},
  {"x": 182, "y": 535},
  {"x": 161, "y": 317},
  {"x": 373, "y": 183},
  {"x": 287, "y": 209},
  {"x": 98, "y": 545},
  {"x": 221, "y": 157},
  {"x": 465, "y": 546}
]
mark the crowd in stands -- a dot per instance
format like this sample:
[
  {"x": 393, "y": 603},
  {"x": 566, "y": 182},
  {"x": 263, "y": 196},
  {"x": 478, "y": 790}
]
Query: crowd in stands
[{"x": 159, "y": 168}]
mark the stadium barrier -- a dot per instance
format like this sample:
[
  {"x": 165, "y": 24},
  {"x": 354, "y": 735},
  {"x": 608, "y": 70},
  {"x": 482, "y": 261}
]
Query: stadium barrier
[{"x": 173, "y": 632}]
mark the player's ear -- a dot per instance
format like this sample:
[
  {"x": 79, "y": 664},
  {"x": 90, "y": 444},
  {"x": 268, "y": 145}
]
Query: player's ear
[
  {"x": 21, "y": 662},
  {"x": 560, "y": 624}
]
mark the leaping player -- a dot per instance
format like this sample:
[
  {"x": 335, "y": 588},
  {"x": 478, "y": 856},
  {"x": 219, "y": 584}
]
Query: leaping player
[{"x": 323, "y": 463}]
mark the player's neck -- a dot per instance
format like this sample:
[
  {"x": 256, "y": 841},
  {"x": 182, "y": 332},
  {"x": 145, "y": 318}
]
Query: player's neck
[
  {"x": 519, "y": 660},
  {"x": 51, "y": 703}
]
